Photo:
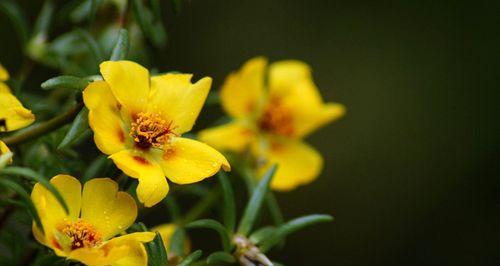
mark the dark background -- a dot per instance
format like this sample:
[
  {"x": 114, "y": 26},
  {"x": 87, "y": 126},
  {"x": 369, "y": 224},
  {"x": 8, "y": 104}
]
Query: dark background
[{"x": 411, "y": 172}]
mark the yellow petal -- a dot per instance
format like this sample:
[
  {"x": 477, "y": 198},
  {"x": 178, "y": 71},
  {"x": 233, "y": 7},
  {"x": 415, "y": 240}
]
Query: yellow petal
[
  {"x": 142, "y": 237},
  {"x": 239, "y": 133},
  {"x": 4, "y": 75},
  {"x": 137, "y": 256},
  {"x": 39, "y": 236},
  {"x": 4, "y": 88},
  {"x": 311, "y": 119},
  {"x": 12, "y": 113},
  {"x": 153, "y": 186},
  {"x": 309, "y": 112},
  {"x": 177, "y": 99},
  {"x": 101, "y": 256},
  {"x": 284, "y": 74},
  {"x": 129, "y": 82},
  {"x": 110, "y": 133},
  {"x": 112, "y": 251},
  {"x": 188, "y": 161},
  {"x": 5, "y": 149},
  {"x": 298, "y": 163},
  {"x": 242, "y": 91},
  {"x": 50, "y": 211},
  {"x": 110, "y": 211}
]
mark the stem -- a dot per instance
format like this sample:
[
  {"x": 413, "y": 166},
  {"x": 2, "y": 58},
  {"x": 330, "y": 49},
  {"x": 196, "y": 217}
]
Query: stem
[
  {"x": 201, "y": 207},
  {"x": 44, "y": 127}
]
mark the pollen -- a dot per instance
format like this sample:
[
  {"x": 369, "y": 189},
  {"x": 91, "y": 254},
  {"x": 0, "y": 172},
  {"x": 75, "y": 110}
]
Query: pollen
[
  {"x": 151, "y": 130},
  {"x": 277, "y": 119},
  {"x": 81, "y": 234}
]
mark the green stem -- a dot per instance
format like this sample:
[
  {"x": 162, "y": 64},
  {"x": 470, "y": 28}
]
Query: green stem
[{"x": 44, "y": 127}]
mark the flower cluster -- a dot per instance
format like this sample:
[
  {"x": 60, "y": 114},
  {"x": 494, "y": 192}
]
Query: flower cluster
[{"x": 141, "y": 122}]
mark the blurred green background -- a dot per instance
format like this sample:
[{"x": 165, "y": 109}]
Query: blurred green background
[{"x": 411, "y": 172}]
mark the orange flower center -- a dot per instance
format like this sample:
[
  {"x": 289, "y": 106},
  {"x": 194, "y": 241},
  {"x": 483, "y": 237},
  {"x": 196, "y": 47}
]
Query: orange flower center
[
  {"x": 151, "y": 130},
  {"x": 277, "y": 118},
  {"x": 81, "y": 234}
]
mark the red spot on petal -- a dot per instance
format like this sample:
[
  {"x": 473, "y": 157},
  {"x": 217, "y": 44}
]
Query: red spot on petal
[
  {"x": 121, "y": 135},
  {"x": 141, "y": 160},
  {"x": 55, "y": 243}
]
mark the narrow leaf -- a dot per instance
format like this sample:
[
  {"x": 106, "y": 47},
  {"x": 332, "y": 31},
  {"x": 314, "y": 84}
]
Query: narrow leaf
[
  {"x": 216, "y": 226},
  {"x": 157, "y": 255},
  {"x": 274, "y": 209},
  {"x": 121, "y": 47},
  {"x": 193, "y": 257},
  {"x": 292, "y": 226},
  {"x": 263, "y": 233},
  {"x": 26, "y": 172},
  {"x": 177, "y": 242},
  {"x": 220, "y": 257},
  {"x": 79, "y": 126},
  {"x": 12, "y": 10},
  {"x": 151, "y": 27},
  {"x": 229, "y": 208},
  {"x": 43, "y": 21},
  {"x": 92, "y": 45},
  {"x": 66, "y": 82},
  {"x": 24, "y": 195},
  {"x": 255, "y": 203}
]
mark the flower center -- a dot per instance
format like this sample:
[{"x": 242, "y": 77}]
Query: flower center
[
  {"x": 151, "y": 130},
  {"x": 277, "y": 119},
  {"x": 80, "y": 233}
]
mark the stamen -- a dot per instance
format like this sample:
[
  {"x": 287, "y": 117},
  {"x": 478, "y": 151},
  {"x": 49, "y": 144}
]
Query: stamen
[
  {"x": 81, "y": 234},
  {"x": 277, "y": 118},
  {"x": 151, "y": 130}
]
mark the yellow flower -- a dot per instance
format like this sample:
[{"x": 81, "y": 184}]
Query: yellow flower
[
  {"x": 4, "y": 149},
  {"x": 96, "y": 215},
  {"x": 167, "y": 231},
  {"x": 271, "y": 119},
  {"x": 12, "y": 113},
  {"x": 139, "y": 120}
]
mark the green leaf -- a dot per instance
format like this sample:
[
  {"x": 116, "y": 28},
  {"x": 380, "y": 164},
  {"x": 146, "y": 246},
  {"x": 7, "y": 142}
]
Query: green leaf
[
  {"x": 274, "y": 209},
  {"x": 26, "y": 172},
  {"x": 79, "y": 126},
  {"x": 121, "y": 47},
  {"x": 172, "y": 206},
  {"x": 151, "y": 27},
  {"x": 91, "y": 43},
  {"x": 43, "y": 21},
  {"x": 255, "y": 203},
  {"x": 24, "y": 195},
  {"x": 177, "y": 242},
  {"x": 189, "y": 260},
  {"x": 66, "y": 82},
  {"x": 263, "y": 233},
  {"x": 12, "y": 10},
  {"x": 229, "y": 208},
  {"x": 220, "y": 257},
  {"x": 157, "y": 255},
  {"x": 94, "y": 6},
  {"x": 216, "y": 226},
  {"x": 292, "y": 226}
]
